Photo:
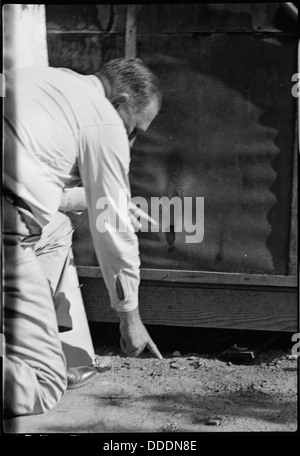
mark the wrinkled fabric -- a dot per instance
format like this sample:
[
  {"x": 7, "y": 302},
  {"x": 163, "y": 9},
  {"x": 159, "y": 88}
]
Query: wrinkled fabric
[
  {"x": 60, "y": 130},
  {"x": 34, "y": 363},
  {"x": 54, "y": 254}
]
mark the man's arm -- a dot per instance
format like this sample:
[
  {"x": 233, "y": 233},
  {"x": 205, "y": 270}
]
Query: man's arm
[{"x": 104, "y": 165}]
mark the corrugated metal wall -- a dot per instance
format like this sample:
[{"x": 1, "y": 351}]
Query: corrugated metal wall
[{"x": 226, "y": 130}]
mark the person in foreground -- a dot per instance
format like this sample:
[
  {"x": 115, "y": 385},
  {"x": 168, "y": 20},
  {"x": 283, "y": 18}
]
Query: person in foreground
[{"x": 61, "y": 130}]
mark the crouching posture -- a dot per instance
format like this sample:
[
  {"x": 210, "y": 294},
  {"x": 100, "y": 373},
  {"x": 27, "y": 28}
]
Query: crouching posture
[{"x": 62, "y": 129}]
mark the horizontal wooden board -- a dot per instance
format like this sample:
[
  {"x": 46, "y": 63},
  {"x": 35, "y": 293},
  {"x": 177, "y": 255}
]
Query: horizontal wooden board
[
  {"x": 201, "y": 307},
  {"x": 172, "y": 18},
  {"x": 202, "y": 277}
]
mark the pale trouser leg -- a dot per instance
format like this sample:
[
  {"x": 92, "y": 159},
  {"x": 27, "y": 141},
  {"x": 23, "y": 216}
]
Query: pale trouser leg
[
  {"x": 54, "y": 253},
  {"x": 34, "y": 365}
]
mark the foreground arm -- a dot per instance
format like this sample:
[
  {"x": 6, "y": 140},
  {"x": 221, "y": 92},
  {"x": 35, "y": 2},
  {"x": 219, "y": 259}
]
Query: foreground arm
[{"x": 104, "y": 165}]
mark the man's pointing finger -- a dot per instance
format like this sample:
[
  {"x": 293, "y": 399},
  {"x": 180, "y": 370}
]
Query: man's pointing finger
[{"x": 154, "y": 350}]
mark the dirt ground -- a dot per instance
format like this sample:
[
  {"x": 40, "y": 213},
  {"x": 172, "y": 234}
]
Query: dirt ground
[{"x": 187, "y": 391}]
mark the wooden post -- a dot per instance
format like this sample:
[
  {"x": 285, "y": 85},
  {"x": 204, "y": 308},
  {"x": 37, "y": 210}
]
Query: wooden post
[
  {"x": 25, "y": 45},
  {"x": 293, "y": 244},
  {"x": 130, "y": 33},
  {"x": 24, "y": 42}
]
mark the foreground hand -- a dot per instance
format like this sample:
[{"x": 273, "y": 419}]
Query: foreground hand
[
  {"x": 137, "y": 215},
  {"x": 134, "y": 336}
]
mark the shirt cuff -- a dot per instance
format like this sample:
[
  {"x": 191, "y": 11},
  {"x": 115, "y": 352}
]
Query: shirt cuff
[{"x": 125, "y": 306}]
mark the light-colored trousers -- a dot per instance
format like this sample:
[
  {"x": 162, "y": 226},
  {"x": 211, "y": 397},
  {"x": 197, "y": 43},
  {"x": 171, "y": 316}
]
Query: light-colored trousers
[{"x": 35, "y": 305}]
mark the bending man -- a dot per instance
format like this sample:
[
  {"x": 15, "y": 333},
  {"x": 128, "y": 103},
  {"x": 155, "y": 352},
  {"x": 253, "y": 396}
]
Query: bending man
[{"x": 63, "y": 129}]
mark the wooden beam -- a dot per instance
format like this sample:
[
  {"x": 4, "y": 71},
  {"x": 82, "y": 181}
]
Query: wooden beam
[
  {"x": 200, "y": 307},
  {"x": 293, "y": 244},
  {"x": 24, "y": 36},
  {"x": 198, "y": 277},
  {"x": 130, "y": 32}
]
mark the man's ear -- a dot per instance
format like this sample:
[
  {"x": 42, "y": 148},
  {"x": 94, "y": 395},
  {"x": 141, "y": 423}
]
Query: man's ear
[{"x": 119, "y": 98}]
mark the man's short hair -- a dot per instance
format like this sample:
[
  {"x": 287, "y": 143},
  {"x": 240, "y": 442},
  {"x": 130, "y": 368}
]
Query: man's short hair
[{"x": 132, "y": 76}]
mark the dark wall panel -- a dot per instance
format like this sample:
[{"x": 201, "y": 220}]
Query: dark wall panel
[
  {"x": 85, "y": 18},
  {"x": 84, "y": 53},
  {"x": 213, "y": 17},
  {"x": 83, "y": 37},
  {"x": 226, "y": 133}
]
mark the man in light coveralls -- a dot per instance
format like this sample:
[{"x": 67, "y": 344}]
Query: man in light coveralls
[{"x": 61, "y": 130}]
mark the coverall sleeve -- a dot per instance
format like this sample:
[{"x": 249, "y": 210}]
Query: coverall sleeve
[{"x": 104, "y": 159}]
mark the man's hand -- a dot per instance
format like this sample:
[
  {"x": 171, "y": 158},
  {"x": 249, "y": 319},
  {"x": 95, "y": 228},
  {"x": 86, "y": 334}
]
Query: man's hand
[
  {"x": 134, "y": 336},
  {"x": 136, "y": 215}
]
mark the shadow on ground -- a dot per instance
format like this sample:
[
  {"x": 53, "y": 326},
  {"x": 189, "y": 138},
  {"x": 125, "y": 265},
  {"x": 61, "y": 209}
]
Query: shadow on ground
[{"x": 236, "y": 410}]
